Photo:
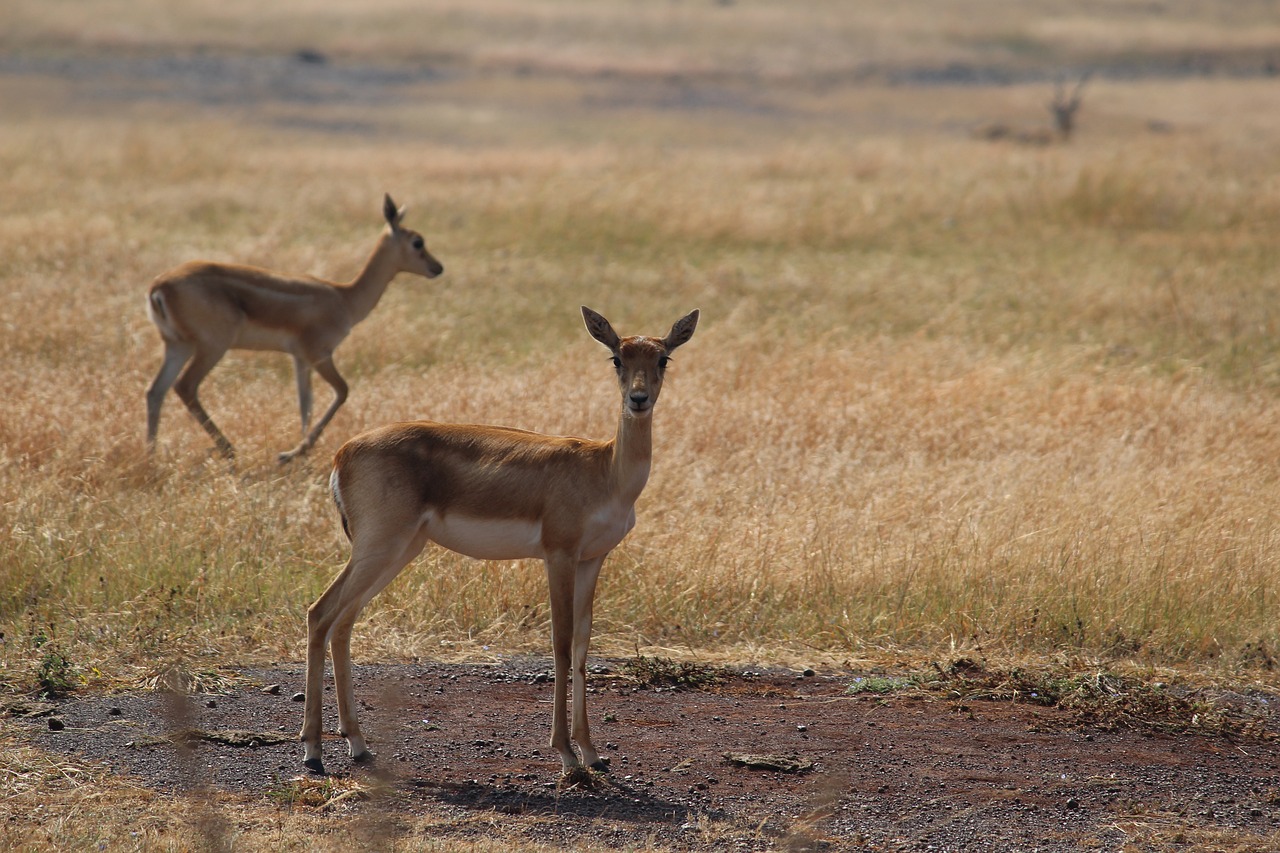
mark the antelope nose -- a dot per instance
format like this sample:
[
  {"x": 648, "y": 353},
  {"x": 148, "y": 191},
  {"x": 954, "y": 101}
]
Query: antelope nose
[{"x": 639, "y": 398}]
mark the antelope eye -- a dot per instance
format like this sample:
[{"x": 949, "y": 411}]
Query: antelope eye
[
  {"x": 418, "y": 244},
  {"x": 663, "y": 362},
  {"x": 617, "y": 362}
]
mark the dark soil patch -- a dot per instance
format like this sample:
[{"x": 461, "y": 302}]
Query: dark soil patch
[{"x": 911, "y": 769}]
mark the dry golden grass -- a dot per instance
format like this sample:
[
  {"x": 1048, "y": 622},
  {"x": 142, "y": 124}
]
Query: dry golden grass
[
  {"x": 947, "y": 392},
  {"x": 947, "y": 395}
]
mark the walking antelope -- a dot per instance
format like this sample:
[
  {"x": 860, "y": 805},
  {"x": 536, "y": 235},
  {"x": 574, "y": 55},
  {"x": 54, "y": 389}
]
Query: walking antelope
[
  {"x": 491, "y": 493},
  {"x": 203, "y": 309}
]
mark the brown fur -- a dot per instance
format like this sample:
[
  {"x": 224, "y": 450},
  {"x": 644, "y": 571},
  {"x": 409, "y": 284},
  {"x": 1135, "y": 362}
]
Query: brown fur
[{"x": 472, "y": 470}]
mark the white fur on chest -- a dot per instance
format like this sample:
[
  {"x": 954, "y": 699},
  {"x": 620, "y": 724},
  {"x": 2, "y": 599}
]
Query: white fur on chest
[{"x": 606, "y": 528}]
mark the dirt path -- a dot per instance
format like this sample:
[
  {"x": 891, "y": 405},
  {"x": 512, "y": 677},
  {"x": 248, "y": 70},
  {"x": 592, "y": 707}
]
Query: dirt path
[{"x": 895, "y": 772}]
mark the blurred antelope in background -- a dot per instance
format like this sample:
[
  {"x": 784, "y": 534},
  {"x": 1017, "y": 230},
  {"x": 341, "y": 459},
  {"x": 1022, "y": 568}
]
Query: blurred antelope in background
[
  {"x": 492, "y": 493},
  {"x": 203, "y": 309},
  {"x": 1063, "y": 108}
]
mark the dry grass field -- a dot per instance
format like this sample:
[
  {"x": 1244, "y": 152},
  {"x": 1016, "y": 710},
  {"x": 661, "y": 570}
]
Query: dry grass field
[{"x": 949, "y": 396}]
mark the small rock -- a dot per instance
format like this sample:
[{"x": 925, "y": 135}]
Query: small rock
[
  {"x": 272, "y": 690},
  {"x": 809, "y": 673},
  {"x": 212, "y": 703},
  {"x": 114, "y": 712},
  {"x": 1073, "y": 803},
  {"x": 779, "y": 763},
  {"x": 56, "y": 724},
  {"x": 299, "y": 697}
]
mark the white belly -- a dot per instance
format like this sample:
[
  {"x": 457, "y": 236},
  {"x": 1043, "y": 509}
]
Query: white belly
[
  {"x": 252, "y": 337},
  {"x": 486, "y": 538},
  {"x": 519, "y": 539}
]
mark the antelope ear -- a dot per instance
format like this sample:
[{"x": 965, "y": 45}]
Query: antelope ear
[
  {"x": 391, "y": 212},
  {"x": 600, "y": 329},
  {"x": 681, "y": 331}
]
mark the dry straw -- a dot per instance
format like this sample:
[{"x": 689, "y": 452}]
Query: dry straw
[{"x": 948, "y": 395}]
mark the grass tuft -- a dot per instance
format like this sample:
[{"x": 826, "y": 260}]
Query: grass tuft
[
  {"x": 324, "y": 794},
  {"x": 1107, "y": 700},
  {"x": 664, "y": 672}
]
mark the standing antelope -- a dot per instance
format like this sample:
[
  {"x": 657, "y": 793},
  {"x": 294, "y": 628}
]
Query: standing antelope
[
  {"x": 492, "y": 493},
  {"x": 203, "y": 309},
  {"x": 1064, "y": 108}
]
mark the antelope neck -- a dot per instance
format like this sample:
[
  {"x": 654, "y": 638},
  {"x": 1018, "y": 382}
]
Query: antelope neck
[{"x": 366, "y": 290}]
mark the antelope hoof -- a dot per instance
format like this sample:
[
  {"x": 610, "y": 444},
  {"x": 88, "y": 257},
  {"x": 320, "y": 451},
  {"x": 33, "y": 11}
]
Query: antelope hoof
[
  {"x": 365, "y": 757},
  {"x": 315, "y": 765}
]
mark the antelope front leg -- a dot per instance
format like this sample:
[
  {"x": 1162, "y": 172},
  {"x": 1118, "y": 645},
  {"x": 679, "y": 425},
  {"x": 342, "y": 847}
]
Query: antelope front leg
[
  {"x": 330, "y": 374},
  {"x": 560, "y": 579},
  {"x": 584, "y": 592},
  {"x": 302, "y": 374}
]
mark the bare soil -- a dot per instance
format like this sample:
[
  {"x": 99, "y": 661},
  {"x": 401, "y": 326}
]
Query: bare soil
[{"x": 907, "y": 770}]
